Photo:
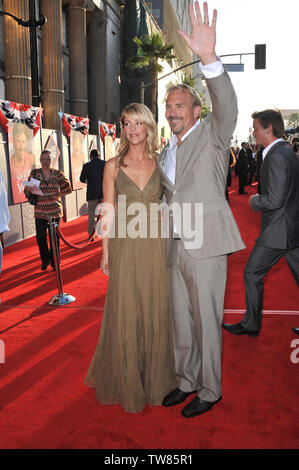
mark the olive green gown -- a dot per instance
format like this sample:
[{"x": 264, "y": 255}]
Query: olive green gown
[{"x": 133, "y": 364}]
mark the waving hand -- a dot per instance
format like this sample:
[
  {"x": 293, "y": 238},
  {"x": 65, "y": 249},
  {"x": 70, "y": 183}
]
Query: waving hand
[{"x": 203, "y": 39}]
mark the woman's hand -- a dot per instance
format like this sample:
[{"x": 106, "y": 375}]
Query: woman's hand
[
  {"x": 104, "y": 263},
  {"x": 30, "y": 189}
]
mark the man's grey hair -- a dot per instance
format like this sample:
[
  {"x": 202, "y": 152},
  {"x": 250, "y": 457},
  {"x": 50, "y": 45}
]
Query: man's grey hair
[{"x": 196, "y": 100}]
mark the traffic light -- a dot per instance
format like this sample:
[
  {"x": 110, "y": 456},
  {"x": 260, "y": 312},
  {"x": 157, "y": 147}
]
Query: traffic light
[{"x": 260, "y": 56}]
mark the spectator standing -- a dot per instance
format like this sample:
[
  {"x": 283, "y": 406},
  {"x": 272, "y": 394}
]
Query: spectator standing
[
  {"x": 53, "y": 185},
  {"x": 92, "y": 174},
  {"x": 243, "y": 168},
  {"x": 251, "y": 165},
  {"x": 259, "y": 160}
]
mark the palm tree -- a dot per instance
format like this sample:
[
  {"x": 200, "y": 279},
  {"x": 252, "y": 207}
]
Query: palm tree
[
  {"x": 205, "y": 109},
  {"x": 189, "y": 80},
  {"x": 151, "y": 48}
]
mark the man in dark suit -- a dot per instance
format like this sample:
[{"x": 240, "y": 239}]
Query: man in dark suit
[
  {"x": 251, "y": 165},
  {"x": 259, "y": 161},
  {"x": 92, "y": 173},
  {"x": 279, "y": 204},
  {"x": 242, "y": 168}
]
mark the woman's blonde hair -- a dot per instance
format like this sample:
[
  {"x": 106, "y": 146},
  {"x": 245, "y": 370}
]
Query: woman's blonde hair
[{"x": 141, "y": 112}]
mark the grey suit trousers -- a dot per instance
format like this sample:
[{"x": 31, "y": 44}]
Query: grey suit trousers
[
  {"x": 197, "y": 288},
  {"x": 260, "y": 261}
]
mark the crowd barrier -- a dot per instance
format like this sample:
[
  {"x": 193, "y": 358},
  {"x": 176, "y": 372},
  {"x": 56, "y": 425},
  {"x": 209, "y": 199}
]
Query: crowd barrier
[{"x": 62, "y": 298}]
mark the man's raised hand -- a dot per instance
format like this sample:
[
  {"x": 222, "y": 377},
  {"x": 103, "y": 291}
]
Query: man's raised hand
[{"x": 203, "y": 39}]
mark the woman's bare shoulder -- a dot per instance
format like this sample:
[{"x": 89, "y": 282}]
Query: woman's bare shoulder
[
  {"x": 111, "y": 168},
  {"x": 111, "y": 164}
]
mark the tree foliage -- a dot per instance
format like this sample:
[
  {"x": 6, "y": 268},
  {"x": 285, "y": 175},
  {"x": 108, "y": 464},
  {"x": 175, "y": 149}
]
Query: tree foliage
[{"x": 150, "y": 49}]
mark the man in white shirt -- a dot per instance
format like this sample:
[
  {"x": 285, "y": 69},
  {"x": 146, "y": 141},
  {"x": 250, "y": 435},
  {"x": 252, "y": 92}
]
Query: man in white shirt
[
  {"x": 194, "y": 168},
  {"x": 279, "y": 204}
]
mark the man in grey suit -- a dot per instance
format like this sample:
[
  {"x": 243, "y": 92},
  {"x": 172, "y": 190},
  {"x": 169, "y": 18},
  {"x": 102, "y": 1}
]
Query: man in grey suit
[
  {"x": 193, "y": 168},
  {"x": 279, "y": 204}
]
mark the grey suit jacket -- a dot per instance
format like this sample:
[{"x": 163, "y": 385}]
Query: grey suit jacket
[
  {"x": 202, "y": 162},
  {"x": 279, "y": 201}
]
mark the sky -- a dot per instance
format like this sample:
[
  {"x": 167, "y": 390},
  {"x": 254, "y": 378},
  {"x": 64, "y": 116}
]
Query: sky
[{"x": 240, "y": 25}]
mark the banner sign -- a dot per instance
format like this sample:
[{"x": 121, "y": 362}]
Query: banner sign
[
  {"x": 11, "y": 112},
  {"x": 78, "y": 153},
  {"x": 52, "y": 146},
  {"x": 107, "y": 130},
  {"x": 74, "y": 123}
]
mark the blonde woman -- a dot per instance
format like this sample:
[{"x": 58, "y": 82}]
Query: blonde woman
[{"x": 133, "y": 364}]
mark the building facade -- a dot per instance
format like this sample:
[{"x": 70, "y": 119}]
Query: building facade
[
  {"x": 82, "y": 50},
  {"x": 78, "y": 58},
  {"x": 172, "y": 15}
]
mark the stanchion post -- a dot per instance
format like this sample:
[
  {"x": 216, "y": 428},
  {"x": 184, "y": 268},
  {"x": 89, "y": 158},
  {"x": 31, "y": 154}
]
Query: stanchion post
[
  {"x": 61, "y": 298},
  {"x": 56, "y": 257}
]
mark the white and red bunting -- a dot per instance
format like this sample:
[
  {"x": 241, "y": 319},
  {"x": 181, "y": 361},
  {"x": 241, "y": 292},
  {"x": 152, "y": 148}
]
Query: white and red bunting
[
  {"x": 75, "y": 123},
  {"x": 11, "y": 112},
  {"x": 107, "y": 129}
]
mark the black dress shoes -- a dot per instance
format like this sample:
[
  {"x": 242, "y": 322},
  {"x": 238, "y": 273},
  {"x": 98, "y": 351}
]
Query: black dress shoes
[
  {"x": 175, "y": 397},
  {"x": 296, "y": 330},
  {"x": 243, "y": 192},
  {"x": 44, "y": 266},
  {"x": 197, "y": 406},
  {"x": 238, "y": 329}
]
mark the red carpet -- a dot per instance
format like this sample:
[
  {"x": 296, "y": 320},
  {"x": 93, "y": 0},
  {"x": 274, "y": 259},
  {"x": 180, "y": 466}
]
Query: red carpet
[{"x": 44, "y": 404}]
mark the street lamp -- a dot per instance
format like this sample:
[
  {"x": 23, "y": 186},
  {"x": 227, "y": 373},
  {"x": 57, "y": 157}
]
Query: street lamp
[{"x": 32, "y": 23}]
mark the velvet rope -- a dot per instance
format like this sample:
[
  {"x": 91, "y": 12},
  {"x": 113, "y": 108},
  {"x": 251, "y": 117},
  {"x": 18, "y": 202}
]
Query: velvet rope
[{"x": 74, "y": 245}]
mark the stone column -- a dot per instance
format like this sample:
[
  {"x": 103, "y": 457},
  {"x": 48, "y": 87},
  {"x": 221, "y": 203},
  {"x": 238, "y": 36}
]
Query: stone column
[
  {"x": 52, "y": 63},
  {"x": 78, "y": 57},
  {"x": 17, "y": 53},
  {"x": 97, "y": 58}
]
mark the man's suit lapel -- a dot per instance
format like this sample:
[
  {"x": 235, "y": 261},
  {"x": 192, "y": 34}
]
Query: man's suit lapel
[
  {"x": 161, "y": 164},
  {"x": 188, "y": 152},
  {"x": 186, "y": 155}
]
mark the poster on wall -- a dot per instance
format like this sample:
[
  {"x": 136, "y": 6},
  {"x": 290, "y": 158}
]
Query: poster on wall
[
  {"x": 93, "y": 145},
  {"x": 109, "y": 147},
  {"x": 78, "y": 150},
  {"x": 21, "y": 158},
  {"x": 52, "y": 146},
  {"x": 107, "y": 132}
]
